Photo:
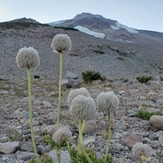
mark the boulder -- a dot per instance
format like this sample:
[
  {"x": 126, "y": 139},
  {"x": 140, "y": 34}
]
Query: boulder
[
  {"x": 156, "y": 122},
  {"x": 9, "y": 147}
]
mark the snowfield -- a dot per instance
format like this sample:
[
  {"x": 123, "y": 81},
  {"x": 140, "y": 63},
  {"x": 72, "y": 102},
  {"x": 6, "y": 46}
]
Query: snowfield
[
  {"x": 119, "y": 25},
  {"x": 89, "y": 32}
]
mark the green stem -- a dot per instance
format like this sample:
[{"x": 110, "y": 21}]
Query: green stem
[
  {"x": 79, "y": 144},
  {"x": 109, "y": 135},
  {"x": 31, "y": 115},
  {"x": 81, "y": 127},
  {"x": 58, "y": 152},
  {"x": 69, "y": 150},
  {"x": 59, "y": 94},
  {"x": 79, "y": 147}
]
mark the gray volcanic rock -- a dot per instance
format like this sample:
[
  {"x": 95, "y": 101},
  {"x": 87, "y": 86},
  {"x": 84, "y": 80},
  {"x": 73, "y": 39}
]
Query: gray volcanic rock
[
  {"x": 156, "y": 122},
  {"x": 9, "y": 147},
  {"x": 132, "y": 139}
]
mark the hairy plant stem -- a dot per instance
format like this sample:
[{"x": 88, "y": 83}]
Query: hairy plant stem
[
  {"x": 68, "y": 146},
  {"x": 31, "y": 115},
  {"x": 79, "y": 147},
  {"x": 58, "y": 152},
  {"x": 81, "y": 128},
  {"x": 59, "y": 94},
  {"x": 109, "y": 135},
  {"x": 79, "y": 144}
]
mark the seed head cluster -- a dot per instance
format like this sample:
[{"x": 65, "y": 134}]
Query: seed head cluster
[
  {"x": 83, "y": 107},
  {"x": 140, "y": 149},
  {"x": 61, "y": 135},
  {"x": 61, "y": 43},
  {"x": 107, "y": 102},
  {"x": 27, "y": 58}
]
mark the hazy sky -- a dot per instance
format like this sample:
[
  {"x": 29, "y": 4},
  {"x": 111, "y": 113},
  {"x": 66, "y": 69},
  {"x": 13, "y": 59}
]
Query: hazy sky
[{"x": 140, "y": 14}]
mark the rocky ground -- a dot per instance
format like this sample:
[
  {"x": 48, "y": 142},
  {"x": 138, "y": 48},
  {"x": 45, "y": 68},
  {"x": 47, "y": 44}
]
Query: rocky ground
[{"x": 15, "y": 138}]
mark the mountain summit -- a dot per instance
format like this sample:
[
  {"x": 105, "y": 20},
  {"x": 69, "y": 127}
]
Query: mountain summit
[{"x": 104, "y": 28}]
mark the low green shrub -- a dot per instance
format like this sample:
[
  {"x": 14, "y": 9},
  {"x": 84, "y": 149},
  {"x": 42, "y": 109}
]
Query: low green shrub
[
  {"x": 144, "y": 79},
  {"x": 145, "y": 115},
  {"x": 89, "y": 76},
  {"x": 98, "y": 51},
  {"x": 120, "y": 58},
  {"x": 75, "y": 157},
  {"x": 92, "y": 155},
  {"x": 45, "y": 159}
]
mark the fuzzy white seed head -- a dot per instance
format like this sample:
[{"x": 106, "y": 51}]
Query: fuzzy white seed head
[
  {"x": 83, "y": 107},
  {"x": 61, "y": 135},
  {"x": 75, "y": 92},
  {"x": 107, "y": 102},
  {"x": 27, "y": 58},
  {"x": 61, "y": 43},
  {"x": 140, "y": 149}
]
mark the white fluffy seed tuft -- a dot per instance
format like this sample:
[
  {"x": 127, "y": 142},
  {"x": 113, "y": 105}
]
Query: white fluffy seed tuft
[
  {"x": 75, "y": 92},
  {"x": 107, "y": 102},
  {"x": 140, "y": 149},
  {"x": 61, "y": 135},
  {"x": 83, "y": 107},
  {"x": 27, "y": 58},
  {"x": 61, "y": 43}
]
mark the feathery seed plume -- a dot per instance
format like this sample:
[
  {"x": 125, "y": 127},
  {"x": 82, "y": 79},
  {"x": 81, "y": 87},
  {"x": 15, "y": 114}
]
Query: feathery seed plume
[
  {"x": 107, "y": 102},
  {"x": 61, "y": 43},
  {"x": 83, "y": 107},
  {"x": 142, "y": 150},
  {"x": 27, "y": 58},
  {"x": 61, "y": 135}
]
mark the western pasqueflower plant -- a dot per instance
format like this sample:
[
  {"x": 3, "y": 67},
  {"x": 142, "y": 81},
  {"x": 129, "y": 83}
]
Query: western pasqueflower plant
[
  {"x": 61, "y": 43},
  {"x": 82, "y": 108},
  {"x": 107, "y": 102},
  {"x": 29, "y": 58}
]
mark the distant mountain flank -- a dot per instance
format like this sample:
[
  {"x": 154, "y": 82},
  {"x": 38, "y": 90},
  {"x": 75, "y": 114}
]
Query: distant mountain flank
[{"x": 99, "y": 26}]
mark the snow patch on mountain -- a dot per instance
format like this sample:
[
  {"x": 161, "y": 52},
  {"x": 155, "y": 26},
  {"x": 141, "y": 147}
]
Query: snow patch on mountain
[
  {"x": 89, "y": 32},
  {"x": 119, "y": 25}
]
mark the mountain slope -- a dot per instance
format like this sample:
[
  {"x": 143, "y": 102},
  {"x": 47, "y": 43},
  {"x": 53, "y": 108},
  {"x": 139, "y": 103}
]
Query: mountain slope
[{"x": 114, "y": 59}]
